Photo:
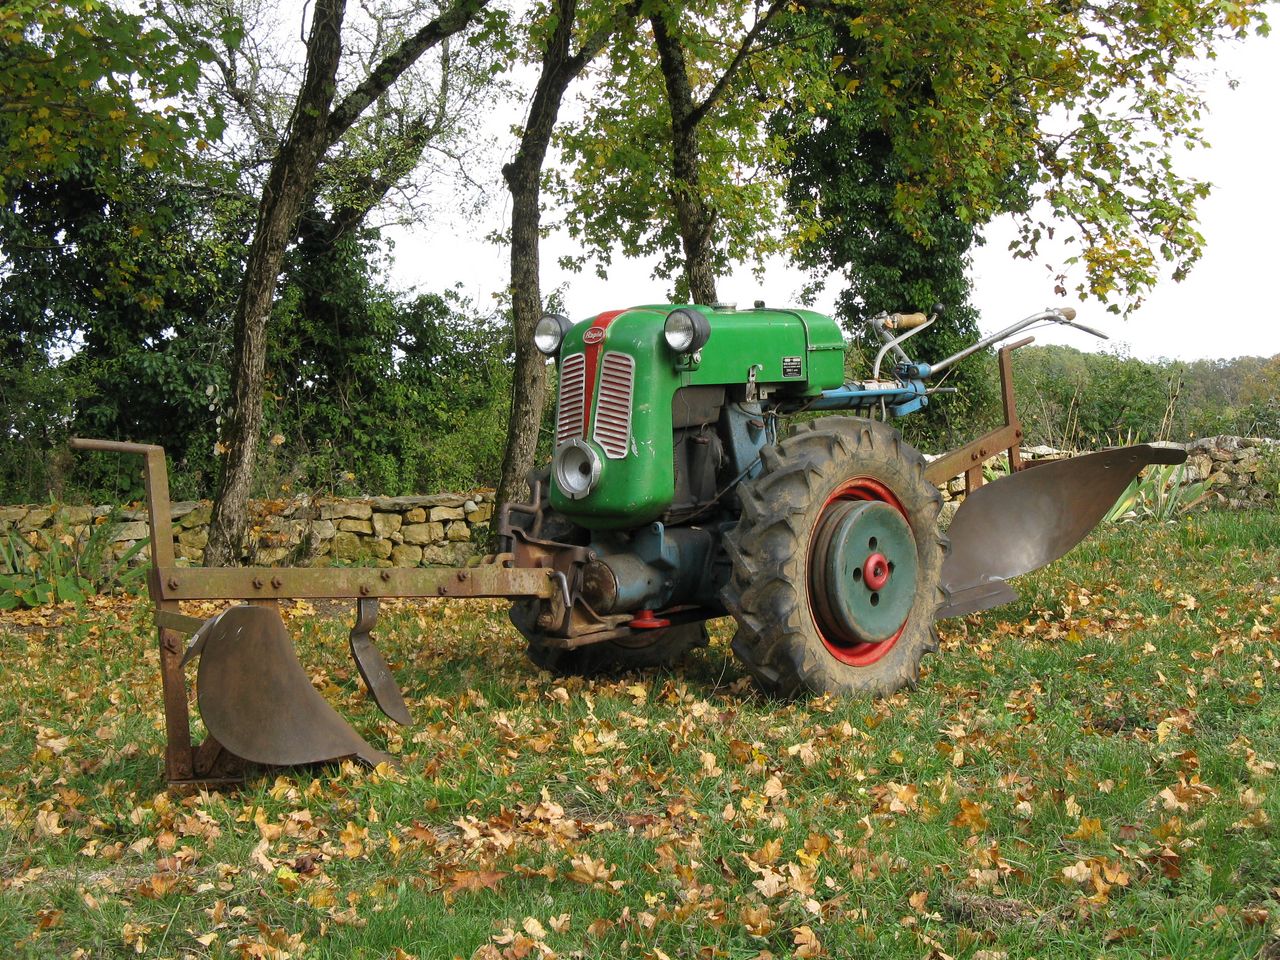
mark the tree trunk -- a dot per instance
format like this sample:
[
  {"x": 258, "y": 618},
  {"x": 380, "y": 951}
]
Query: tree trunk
[
  {"x": 524, "y": 180},
  {"x": 529, "y": 378},
  {"x": 288, "y": 187},
  {"x": 316, "y": 124},
  {"x": 694, "y": 215}
]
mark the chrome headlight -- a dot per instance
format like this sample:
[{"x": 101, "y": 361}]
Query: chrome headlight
[
  {"x": 577, "y": 469},
  {"x": 549, "y": 333},
  {"x": 686, "y": 331}
]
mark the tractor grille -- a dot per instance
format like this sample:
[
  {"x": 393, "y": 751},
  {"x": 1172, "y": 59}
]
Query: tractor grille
[
  {"x": 613, "y": 409},
  {"x": 573, "y": 392}
]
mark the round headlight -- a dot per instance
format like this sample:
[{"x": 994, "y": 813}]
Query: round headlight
[
  {"x": 549, "y": 333},
  {"x": 577, "y": 469},
  {"x": 686, "y": 330}
]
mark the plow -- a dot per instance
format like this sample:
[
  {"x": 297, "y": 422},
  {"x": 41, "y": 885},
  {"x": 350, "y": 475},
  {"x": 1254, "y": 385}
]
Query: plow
[{"x": 708, "y": 461}]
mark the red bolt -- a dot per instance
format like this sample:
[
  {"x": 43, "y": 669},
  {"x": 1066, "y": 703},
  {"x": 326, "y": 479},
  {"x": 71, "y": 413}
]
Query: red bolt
[{"x": 875, "y": 572}]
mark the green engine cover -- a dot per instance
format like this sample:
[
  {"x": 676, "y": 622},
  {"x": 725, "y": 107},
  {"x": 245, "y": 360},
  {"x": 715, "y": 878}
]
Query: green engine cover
[{"x": 617, "y": 379}]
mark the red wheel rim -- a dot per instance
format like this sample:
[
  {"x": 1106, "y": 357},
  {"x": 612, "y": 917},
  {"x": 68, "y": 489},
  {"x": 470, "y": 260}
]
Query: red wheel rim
[{"x": 854, "y": 652}]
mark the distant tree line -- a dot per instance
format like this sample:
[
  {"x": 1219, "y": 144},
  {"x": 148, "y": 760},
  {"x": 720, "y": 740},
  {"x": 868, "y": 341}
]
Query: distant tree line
[{"x": 1076, "y": 400}]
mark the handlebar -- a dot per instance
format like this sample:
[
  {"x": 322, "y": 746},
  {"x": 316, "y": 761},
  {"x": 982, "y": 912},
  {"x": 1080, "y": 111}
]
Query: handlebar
[{"x": 903, "y": 321}]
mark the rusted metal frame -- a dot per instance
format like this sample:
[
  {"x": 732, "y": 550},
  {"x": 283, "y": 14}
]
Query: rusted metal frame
[
  {"x": 568, "y": 620},
  {"x": 1011, "y": 418},
  {"x": 1007, "y": 438},
  {"x": 282, "y": 583},
  {"x": 179, "y": 760}
]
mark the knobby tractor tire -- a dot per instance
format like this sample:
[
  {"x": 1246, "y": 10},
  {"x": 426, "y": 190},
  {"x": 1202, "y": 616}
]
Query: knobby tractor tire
[
  {"x": 645, "y": 648},
  {"x": 792, "y": 513}
]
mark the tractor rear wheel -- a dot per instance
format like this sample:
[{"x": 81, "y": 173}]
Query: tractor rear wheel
[{"x": 836, "y": 559}]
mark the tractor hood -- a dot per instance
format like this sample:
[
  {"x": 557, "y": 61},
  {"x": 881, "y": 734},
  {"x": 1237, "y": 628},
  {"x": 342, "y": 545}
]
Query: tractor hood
[{"x": 613, "y": 464}]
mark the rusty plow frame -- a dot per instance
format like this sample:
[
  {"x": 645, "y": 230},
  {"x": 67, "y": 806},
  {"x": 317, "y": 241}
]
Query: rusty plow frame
[{"x": 256, "y": 699}]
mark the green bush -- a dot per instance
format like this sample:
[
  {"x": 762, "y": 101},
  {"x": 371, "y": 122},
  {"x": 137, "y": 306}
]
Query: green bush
[{"x": 68, "y": 571}]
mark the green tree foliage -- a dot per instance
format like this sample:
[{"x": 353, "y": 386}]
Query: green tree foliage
[
  {"x": 378, "y": 391},
  {"x": 113, "y": 301},
  {"x": 624, "y": 178},
  {"x": 1084, "y": 104},
  {"x": 82, "y": 80},
  {"x": 845, "y": 169}
]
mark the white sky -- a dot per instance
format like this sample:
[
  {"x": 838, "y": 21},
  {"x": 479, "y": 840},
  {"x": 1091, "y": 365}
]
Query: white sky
[{"x": 1225, "y": 308}]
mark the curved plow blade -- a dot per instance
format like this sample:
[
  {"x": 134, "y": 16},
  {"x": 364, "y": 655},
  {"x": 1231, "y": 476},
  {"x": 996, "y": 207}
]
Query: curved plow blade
[
  {"x": 1031, "y": 518},
  {"x": 257, "y": 700},
  {"x": 373, "y": 666}
]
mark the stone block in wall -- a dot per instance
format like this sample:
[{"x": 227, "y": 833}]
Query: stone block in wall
[
  {"x": 356, "y": 526},
  {"x": 348, "y": 509},
  {"x": 385, "y": 524},
  {"x": 482, "y": 512},
  {"x": 948, "y": 513},
  {"x": 35, "y": 518},
  {"x": 323, "y": 529},
  {"x": 1198, "y": 467},
  {"x": 121, "y": 547},
  {"x": 12, "y": 515},
  {"x": 447, "y": 513},
  {"x": 74, "y": 516},
  {"x": 458, "y": 531},
  {"x": 346, "y": 546},
  {"x": 416, "y": 515},
  {"x": 194, "y": 539},
  {"x": 194, "y": 554},
  {"x": 381, "y": 549},
  {"x": 406, "y": 555},
  {"x": 134, "y": 530},
  {"x": 449, "y": 555},
  {"x": 265, "y": 556},
  {"x": 199, "y": 516},
  {"x": 425, "y": 501},
  {"x": 422, "y": 533}
]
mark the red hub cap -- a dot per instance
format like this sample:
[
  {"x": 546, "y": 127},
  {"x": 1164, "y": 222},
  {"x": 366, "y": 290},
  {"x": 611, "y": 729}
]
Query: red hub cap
[{"x": 875, "y": 572}]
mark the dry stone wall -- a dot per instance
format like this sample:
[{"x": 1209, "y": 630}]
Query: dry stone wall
[
  {"x": 375, "y": 531},
  {"x": 1241, "y": 472},
  {"x": 449, "y": 528}
]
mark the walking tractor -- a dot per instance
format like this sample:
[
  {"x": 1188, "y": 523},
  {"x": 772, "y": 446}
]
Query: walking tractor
[{"x": 674, "y": 495}]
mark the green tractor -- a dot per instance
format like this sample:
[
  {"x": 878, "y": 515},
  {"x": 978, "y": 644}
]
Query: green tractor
[{"x": 675, "y": 494}]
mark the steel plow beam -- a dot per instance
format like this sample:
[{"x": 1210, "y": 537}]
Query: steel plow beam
[
  {"x": 1031, "y": 518},
  {"x": 284, "y": 583}
]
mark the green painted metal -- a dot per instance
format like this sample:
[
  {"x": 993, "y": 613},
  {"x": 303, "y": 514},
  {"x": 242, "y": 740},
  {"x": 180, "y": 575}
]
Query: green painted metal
[
  {"x": 796, "y": 352},
  {"x": 864, "y": 533}
]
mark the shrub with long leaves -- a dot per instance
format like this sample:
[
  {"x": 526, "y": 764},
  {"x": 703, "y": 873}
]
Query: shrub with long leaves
[{"x": 68, "y": 571}]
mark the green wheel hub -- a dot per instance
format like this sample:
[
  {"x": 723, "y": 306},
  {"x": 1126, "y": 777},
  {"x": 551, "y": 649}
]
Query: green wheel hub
[{"x": 863, "y": 579}]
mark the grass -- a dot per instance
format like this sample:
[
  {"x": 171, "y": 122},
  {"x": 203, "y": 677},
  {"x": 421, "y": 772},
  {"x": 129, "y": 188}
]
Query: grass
[{"x": 1090, "y": 772}]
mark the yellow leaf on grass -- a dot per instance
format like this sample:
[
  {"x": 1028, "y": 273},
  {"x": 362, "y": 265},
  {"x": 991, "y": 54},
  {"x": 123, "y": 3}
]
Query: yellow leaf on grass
[
  {"x": 971, "y": 815},
  {"x": 806, "y": 943},
  {"x": 1089, "y": 828},
  {"x": 1078, "y": 872}
]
